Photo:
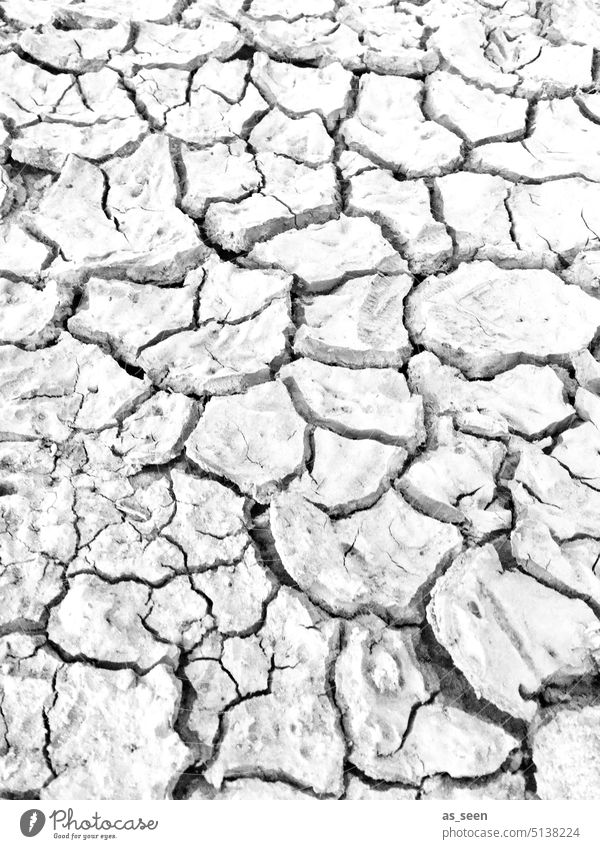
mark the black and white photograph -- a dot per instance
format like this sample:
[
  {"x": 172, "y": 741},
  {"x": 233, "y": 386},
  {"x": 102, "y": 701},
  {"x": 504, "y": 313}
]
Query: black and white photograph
[{"x": 300, "y": 417}]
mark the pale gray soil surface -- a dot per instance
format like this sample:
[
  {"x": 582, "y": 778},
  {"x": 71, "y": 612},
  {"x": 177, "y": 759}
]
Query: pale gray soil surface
[{"x": 299, "y": 399}]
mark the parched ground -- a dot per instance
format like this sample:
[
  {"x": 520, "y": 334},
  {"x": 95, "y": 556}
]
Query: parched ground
[{"x": 299, "y": 399}]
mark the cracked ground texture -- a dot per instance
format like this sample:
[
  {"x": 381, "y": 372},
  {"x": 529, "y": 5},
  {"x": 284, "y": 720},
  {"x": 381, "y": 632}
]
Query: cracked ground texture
[{"x": 299, "y": 399}]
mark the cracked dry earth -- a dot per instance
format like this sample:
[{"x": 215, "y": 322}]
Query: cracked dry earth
[{"x": 299, "y": 399}]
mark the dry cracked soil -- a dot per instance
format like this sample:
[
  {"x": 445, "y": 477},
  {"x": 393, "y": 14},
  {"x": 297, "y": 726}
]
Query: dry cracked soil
[{"x": 299, "y": 399}]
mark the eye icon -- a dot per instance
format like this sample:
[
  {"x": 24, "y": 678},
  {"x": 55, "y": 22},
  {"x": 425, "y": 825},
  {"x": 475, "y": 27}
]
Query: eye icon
[{"x": 32, "y": 822}]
